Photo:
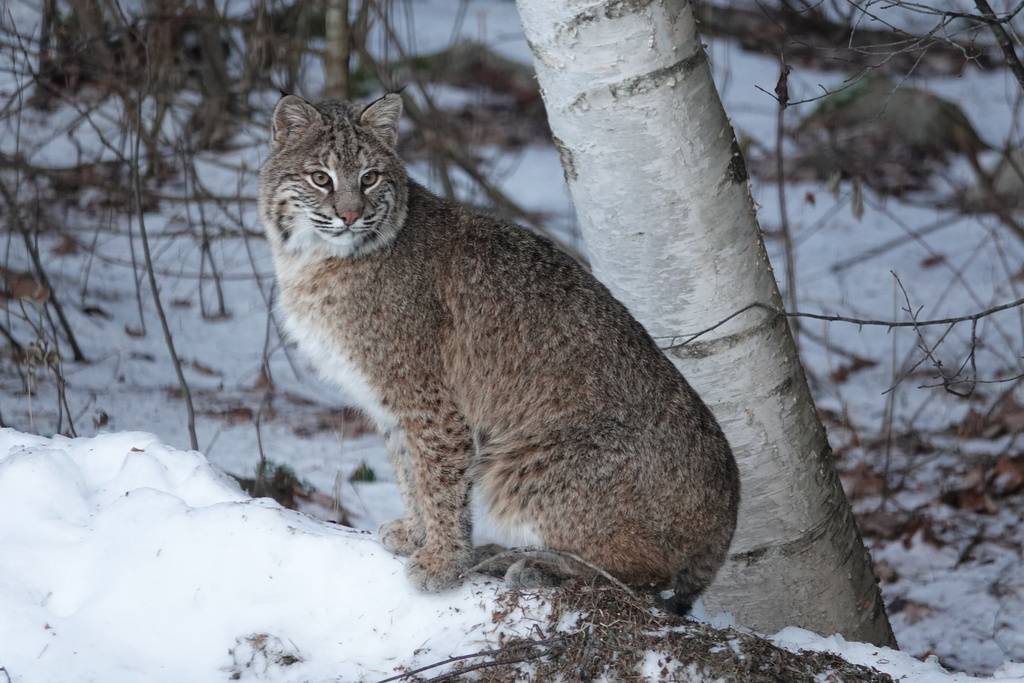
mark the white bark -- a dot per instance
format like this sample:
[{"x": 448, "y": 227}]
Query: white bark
[
  {"x": 664, "y": 205},
  {"x": 336, "y": 52}
]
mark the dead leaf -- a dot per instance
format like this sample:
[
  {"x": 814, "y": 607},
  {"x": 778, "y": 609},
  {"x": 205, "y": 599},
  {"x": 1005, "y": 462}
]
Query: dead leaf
[
  {"x": 974, "y": 425},
  {"x": 972, "y": 493},
  {"x": 911, "y": 610},
  {"x": 862, "y": 481},
  {"x": 782, "y": 86},
  {"x": 24, "y": 286},
  {"x": 96, "y": 311},
  {"x": 881, "y": 524},
  {"x": 203, "y": 369},
  {"x": 973, "y": 479},
  {"x": 67, "y": 246},
  {"x": 297, "y": 399},
  {"x": 975, "y": 501},
  {"x": 1010, "y": 414},
  {"x": 885, "y": 572},
  {"x": 835, "y": 182},
  {"x": 237, "y": 416},
  {"x": 857, "y": 200},
  {"x": 843, "y": 372},
  {"x": 1007, "y": 475},
  {"x": 921, "y": 529},
  {"x": 1008, "y": 418}
]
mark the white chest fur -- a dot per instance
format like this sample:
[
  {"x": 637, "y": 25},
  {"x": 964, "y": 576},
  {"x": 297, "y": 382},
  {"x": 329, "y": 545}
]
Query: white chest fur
[{"x": 333, "y": 363}]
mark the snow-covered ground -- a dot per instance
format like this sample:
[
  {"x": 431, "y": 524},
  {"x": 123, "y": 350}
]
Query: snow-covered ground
[
  {"x": 127, "y": 560},
  {"x": 107, "y": 570}
]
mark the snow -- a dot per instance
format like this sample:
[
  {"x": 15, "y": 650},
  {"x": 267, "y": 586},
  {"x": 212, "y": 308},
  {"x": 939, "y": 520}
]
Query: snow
[
  {"x": 896, "y": 664},
  {"x": 142, "y": 561}
]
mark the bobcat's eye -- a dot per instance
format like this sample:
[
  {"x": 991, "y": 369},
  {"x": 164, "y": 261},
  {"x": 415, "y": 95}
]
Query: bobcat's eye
[
  {"x": 369, "y": 179},
  {"x": 320, "y": 179}
]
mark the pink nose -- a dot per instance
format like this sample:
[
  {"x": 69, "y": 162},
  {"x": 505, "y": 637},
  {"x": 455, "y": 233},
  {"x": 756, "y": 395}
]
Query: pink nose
[{"x": 349, "y": 217}]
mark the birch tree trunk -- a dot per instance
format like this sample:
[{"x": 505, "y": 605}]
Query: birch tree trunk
[
  {"x": 337, "y": 32},
  {"x": 663, "y": 200}
]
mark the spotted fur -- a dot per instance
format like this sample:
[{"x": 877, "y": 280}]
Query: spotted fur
[{"x": 491, "y": 361}]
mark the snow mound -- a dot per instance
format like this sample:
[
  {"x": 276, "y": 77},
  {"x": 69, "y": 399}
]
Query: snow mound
[{"x": 126, "y": 560}]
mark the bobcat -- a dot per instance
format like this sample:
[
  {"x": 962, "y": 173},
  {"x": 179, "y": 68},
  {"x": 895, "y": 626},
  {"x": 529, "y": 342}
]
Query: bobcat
[{"x": 489, "y": 360}]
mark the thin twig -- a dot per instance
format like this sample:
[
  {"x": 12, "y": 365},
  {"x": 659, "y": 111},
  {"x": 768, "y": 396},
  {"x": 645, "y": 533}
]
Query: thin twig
[
  {"x": 537, "y": 551},
  {"x": 37, "y": 263},
  {"x": 842, "y": 319},
  {"x": 888, "y": 246},
  {"x": 62, "y": 401},
  {"x": 15, "y": 344},
  {"x": 782, "y": 96},
  {"x": 929, "y": 352},
  {"x": 530, "y": 655},
  {"x": 523, "y": 645},
  {"x": 1003, "y": 38},
  {"x": 147, "y": 256}
]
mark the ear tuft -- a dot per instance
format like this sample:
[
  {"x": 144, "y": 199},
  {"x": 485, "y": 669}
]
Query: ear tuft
[
  {"x": 382, "y": 117},
  {"x": 292, "y": 116}
]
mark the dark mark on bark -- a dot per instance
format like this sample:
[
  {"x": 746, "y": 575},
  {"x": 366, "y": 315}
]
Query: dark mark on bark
[
  {"x": 615, "y": 9},
  {"x": 568, "y": 161},
  {"x": 638, "y": 85},
  {"x": 737, "y": 169}
]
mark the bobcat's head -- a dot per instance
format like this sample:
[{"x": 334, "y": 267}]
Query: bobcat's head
[{"x": 333, "y": 183}]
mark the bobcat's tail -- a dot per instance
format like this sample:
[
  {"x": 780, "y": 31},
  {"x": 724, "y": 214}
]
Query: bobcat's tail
[
  {"x": 684, "y": 593},
  {"x": 691, "y": 581}
]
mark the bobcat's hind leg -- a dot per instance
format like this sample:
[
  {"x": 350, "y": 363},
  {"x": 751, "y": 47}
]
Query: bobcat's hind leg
[
  {"x": 493, "y": 559},
  {"x": 521, "y": 569},
  {"x": 535, "y": 572}
]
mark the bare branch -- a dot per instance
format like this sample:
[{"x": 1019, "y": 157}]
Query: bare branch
[
  {"x": 1003, "y": 38},
  {"x": 947, "y": 381},
  {"x": 37, "y": 263},
  {"x": 137, "y": 189},
  {"x": 529, "y": 649},
  {"x": 841, "y": 319}
]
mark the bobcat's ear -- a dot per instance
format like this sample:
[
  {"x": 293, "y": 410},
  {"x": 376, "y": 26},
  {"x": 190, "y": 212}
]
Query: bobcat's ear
[
  {"x": 382, "y": 117},
  {"x": 292, "y": 116}
]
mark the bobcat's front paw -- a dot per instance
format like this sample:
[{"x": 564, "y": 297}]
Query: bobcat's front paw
[
  {"x": 429, "y": 570},
  {"x": 399, "y": 537}
]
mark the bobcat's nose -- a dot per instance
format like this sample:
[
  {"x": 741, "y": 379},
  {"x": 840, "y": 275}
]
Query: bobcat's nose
[{"x": 348, "y": 217}]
